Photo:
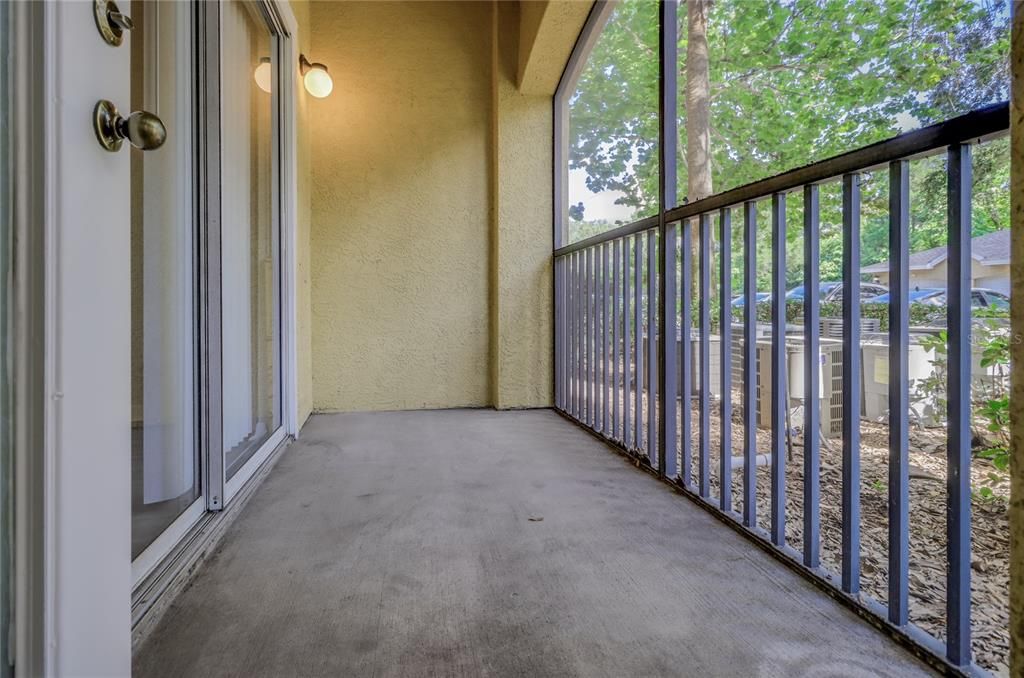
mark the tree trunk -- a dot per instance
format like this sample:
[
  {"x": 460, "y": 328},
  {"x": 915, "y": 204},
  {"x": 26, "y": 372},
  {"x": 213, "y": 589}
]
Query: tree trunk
[{"x": 698, "y": 113}]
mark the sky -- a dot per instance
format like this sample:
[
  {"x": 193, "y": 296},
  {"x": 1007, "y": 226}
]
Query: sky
[{"x": 598, "y": 205}]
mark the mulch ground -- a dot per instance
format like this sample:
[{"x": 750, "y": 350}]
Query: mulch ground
[
  {"x": 927, "y": 586},
  {"x": 990, "y": 543}
]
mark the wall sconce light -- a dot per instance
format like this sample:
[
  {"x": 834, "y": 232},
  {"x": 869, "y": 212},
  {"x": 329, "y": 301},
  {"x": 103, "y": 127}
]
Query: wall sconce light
[
  {"x": 315, "y": 77},
  {"x": 264, "y": 74}
]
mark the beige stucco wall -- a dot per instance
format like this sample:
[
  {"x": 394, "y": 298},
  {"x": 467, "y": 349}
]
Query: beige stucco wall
[
  {"x": 303, "y": 319},
  {"x": 431, "y": 213},
  {"x": 521, "y": 291},
  {"x": 401, "y": 206},
  {"x": 547, "y": 33}
]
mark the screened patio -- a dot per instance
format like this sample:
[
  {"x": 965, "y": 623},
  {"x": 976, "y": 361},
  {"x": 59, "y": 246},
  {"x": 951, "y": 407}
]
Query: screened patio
[{"x": 547, "y": 443}]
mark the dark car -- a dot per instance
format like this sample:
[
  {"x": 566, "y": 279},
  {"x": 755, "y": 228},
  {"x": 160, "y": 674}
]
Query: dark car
[
  {"x": 867, "y": 291},
  {"x": 833, "y": 291},
  {"x": 930, "y": 296},
  {"x": 936, "y": 296},
  {"x": 759, "y": 297}
]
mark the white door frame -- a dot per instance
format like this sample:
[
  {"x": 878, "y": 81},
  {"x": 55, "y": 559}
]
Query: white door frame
[
  {"x": 87, "y": 578},
  {"x": 87, "y": 442}
]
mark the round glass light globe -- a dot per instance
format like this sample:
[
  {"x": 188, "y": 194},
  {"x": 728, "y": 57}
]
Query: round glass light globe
[
  {"x": 264, "y": 76},
  {"x": 318, "y": 82}
]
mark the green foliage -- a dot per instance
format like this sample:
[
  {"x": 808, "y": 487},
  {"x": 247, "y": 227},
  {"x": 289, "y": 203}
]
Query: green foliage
[
  {"x": 793, "y": 82},
  {"x": 990, "y": 398},
  {"x": 991, "y": 405}
]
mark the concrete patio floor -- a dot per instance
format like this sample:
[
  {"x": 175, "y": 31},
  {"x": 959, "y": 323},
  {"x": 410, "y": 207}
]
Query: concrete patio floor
[{"x": 483, "y": 543}]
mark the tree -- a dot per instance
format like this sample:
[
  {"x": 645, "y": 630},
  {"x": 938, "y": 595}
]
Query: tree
[
  {"x": 698, "y": 110},
  {"x": 791, "y": 82}
]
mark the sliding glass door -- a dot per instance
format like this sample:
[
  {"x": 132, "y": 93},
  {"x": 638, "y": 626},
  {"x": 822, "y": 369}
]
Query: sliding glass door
[
  {"x": 206, "y": 330},
  {"x": 250, "y": 251},
  {"x": 165, "y": 464}
]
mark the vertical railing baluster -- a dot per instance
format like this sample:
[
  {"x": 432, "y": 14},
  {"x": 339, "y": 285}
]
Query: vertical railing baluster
[
  {"x": 750, "y": 364},
  {"x": 581, "y": 341},
  {"x": 851, "y": 384},
  {"x": 574, "y": 335},
  {"x": 570, "y": 329},
  {"x": 685, "y": 353},
  {"x": 812, "y": 379},
  {"x": 599, "y": 339},
  {"x": 580, "y": 333},
  {"x": 638, "y": 344},
  {"x": 567, "y": 333},
  {"x": 584, "y": 333},
  {"x": 667, "y": 415},
  {"x": 652, "y": 348},
  {"x": 595, "y": 263},
  {"x": 616, "y": 337},
  {"x": 704, "y": 304},
  {"x": 559, "y": 329},
  {"x": 958, "y": 399},
  {"x": 605, "y": 418},
  {"x": 778, "y": 363},
  {"x": 588, "y": 302},
  {"x": 602, "y": 340},
  {"x": 627, "y": 350},
  {"x": 899, "y": 340},
  {"x": 725, "y": 357},
  {"x": 595, "y": 337}
]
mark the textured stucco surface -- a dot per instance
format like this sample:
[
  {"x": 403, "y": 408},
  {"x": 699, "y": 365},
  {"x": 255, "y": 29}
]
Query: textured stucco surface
[
  {"x": 548, "y": 31},
  {"x": 430, "y": 243},
  {"x": 1017, "y": 347},
  {"x": 303, "y": 329},
  {"x": 521, "y": 294},
  {"x": 401, "y": 206}
]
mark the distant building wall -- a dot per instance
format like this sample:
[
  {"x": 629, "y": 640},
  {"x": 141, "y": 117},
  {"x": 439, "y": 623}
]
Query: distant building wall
[{"x": 993, "y": 277}]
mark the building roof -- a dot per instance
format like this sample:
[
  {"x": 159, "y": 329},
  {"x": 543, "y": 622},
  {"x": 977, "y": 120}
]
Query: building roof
[{"x": 991, "y": 249}]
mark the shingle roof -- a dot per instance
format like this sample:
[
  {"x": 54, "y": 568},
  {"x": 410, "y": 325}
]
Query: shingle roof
[{"x": 991, "y": 248}]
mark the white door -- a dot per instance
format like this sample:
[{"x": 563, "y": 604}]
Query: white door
[
  {"x": 123, "y": 455},
  {"x": 88, "y": 488}
]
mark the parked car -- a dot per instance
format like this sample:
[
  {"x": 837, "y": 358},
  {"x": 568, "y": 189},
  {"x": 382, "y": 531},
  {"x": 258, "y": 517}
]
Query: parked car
[
  {"x": 833, "y": 291},
  {"x": 867, "y": 291},
  {"x": 929, "y": 296},
  {"x": 797, "y": 293},
  {"x": 985, "y": 298},
  {"x": 759, "y": 297},
  {"x": 936, "y": 296}
]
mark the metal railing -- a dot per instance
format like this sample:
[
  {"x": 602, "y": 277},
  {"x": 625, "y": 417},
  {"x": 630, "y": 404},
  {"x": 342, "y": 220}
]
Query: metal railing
[{"x": 623, "y": 299}]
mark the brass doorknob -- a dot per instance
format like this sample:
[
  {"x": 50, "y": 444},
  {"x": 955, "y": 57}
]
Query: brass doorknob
[{"x": 143, "y": 130}]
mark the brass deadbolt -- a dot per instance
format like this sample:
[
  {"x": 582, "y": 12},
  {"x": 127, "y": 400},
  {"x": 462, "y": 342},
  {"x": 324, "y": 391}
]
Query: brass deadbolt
[{"x": 111, "y": 21}]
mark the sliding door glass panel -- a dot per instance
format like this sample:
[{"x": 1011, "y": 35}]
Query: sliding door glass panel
[
  {"x": 250, "y": 259},
  {"x": 164, "y": 442}
]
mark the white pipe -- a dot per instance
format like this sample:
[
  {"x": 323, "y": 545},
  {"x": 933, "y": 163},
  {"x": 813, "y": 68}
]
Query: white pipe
[{"x": 759, "y": 460}]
